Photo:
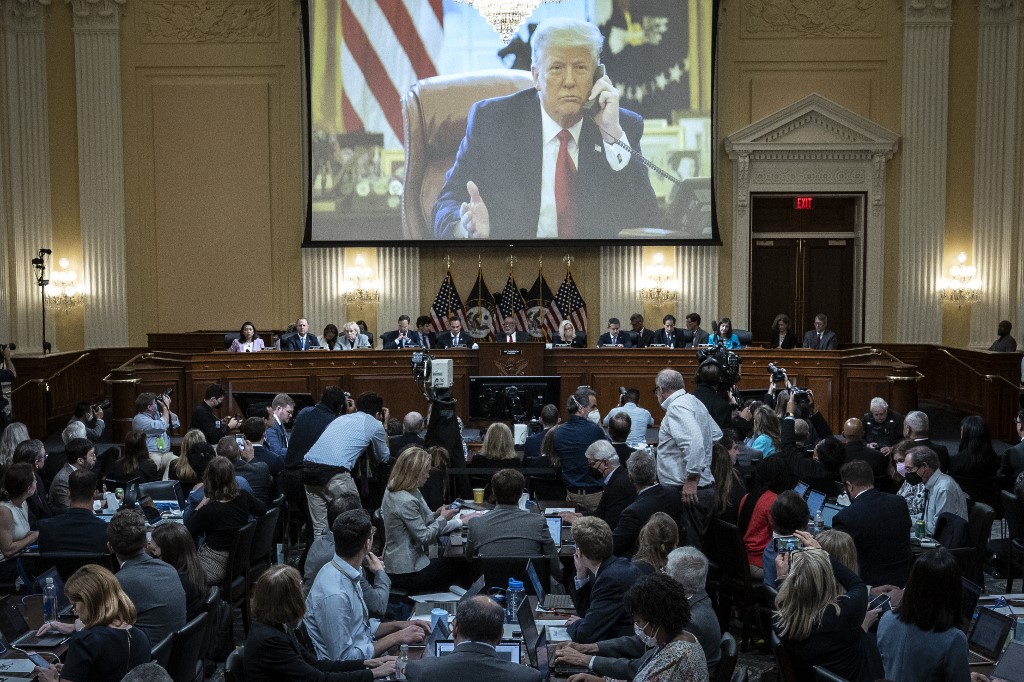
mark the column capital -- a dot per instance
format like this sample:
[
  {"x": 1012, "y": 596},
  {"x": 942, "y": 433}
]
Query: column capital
[
  {"x": 25, "y": 16},
  {"x": 925, "y": 12},
  {"x": 999, "y": 11},
  {"x": 103, "y": 15}
]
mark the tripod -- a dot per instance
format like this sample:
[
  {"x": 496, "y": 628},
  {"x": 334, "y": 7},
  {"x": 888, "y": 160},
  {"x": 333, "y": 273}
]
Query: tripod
[{"x": 40, "y": 264}]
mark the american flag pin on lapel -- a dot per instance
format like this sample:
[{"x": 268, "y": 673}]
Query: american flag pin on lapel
[{"x": 597, "y": 147}]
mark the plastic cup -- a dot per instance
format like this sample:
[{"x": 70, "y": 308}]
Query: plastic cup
[
  {"x": 1018, "y": 635},
  {"x": 478, "y": 495},
  {"x": 436, "y": 615}
]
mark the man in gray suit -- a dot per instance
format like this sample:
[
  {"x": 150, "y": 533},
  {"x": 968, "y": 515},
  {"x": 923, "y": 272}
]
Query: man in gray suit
[
  {"x": 508, "y": 530},
  {"x": 81, "y": 454},
  {"x": 477, "y": 630},
  {"x": 821, "y": 337}
]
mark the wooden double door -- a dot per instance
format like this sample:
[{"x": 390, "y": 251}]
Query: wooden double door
[{"x": 803, "y": 262}]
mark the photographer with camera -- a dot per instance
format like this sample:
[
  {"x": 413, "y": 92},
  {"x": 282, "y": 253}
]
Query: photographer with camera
[
  {"x": 204, "y": 418},
  {"x": 92, "y": 416},
  {"x": 821, "y": 471},
  {"x": 7, "y": 372},
  {"x": 154, "y": 418}
]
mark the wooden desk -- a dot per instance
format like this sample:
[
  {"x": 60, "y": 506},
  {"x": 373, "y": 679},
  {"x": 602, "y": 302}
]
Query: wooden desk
[{"x": 843, "y": 381}]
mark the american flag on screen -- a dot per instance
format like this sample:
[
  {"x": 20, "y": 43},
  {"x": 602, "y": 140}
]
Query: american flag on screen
[
  {"x": 446, "y": 304},
  {"x": 513, "y": 305},
  {"x": 568, "y": 304},
  {"x": 387, "y": 45}
]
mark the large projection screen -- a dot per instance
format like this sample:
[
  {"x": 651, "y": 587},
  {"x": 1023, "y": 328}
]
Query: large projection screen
[{"x": 364, "y": 57}]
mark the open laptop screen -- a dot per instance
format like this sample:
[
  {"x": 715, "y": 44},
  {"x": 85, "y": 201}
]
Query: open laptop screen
[
  {"x": 815, "y": 500},
  {"x": 989, "y": 633},
  {"x": 555, "y": 528},
  {"x": 507, "y": 650}
]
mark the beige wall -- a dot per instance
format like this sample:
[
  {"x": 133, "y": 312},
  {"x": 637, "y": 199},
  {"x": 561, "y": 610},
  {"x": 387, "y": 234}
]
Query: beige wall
[{"x": 213, "y": 112}]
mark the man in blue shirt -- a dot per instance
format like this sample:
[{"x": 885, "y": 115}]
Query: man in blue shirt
[
  {"x": 640, "y": 418},
  {"x": 582, "y": 487},
  {"x": 154, "y": 418}
]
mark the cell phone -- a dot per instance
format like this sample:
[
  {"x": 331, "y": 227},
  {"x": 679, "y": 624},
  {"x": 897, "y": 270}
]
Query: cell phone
[
  {"x": 881, "y": 601},
  {"x": 457, "y": 504},
  {"x": 599, "y": 73},
  {"x": 241, "y": 441},
  {"x": 787, "y": 543},
  {"x": 37, "y": 659}
]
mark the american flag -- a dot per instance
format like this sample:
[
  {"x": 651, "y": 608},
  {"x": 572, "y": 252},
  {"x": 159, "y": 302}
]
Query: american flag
[
  {"x": 446, "y": 304},
  {"x": 387, "y": 45},
  {"x": 568, "y": 304},
  {"x": 512, "y": 304},
  {"x": 538, "y": 299},
  {"x": 481, "y": 314}
]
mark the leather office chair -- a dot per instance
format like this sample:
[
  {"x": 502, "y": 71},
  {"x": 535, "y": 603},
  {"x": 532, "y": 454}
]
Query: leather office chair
[{"x": 434, "y": 114}]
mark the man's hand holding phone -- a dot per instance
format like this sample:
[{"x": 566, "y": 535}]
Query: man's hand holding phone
[{"x": 603, "y": 103}]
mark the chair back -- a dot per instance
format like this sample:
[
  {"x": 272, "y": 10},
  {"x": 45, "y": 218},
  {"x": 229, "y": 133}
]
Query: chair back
[
  {"x": 546, "y": 487},
  {"x": 220, "y": 639},
  {"x": 826, "y": 675},
  {"x": 730, "y": 554},
  {"x": 379, "y": 539},
  {"x": 161, "y": 653},
  {"x": 434, "y": 113},
  {"x": 263, "y": 550},
  {"x": 1014, "y": 514},
  {"x": 979, "y": 523},
  {"x": 240, "y": 553},
  {"x": 727, "y": 664},
  {"x": 163, "y": 490},
  {"x": 744, "y": 336},
  {"x": 496, "y": 570},
  {"x": 787, "y": 671},
  {"x": 67, "y": 563},
  {"x": 184, "y": 664},
  {"x": 234, "y": 670}
]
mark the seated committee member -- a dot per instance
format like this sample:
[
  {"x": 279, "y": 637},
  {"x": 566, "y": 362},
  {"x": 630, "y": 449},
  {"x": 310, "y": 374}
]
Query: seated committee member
[
  {"x": 782, "y": 332},
  {"x": 477, "y": 630},
  {"x": 508, "y": 333},
  {"x": 403, "y": 337},
  {"x": 512, "y": 178},
  {"x": 302, "y": 339},
  {"x": 614, "y": 338},
  {"x": 352, "y": 338},
  {"x": 272, "y": 651},
  {"x": 425, "y": 327},
  {"x": 725, "y": 335},
  {"x": 508, "y": 530},
  {"x": 455, "y": 337},
  {"x": 821, "y": 338},
  {"x": 568, "y": 337},
  {"x": 336, "y": 616},
  {"x": 641, "y": 335},
  {"x": 669, "y": 336},
  {"x": 601, "y": 582},
  {"x": 692, "y": 324},
  {"x": 329, "y": 339},
  {"x": 78, "y": 529},
  {"x": 247, "y": 341}
]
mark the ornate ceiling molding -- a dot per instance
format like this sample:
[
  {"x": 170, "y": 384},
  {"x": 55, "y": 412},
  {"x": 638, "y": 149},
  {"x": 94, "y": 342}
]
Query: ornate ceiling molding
[{"x": 926, "y": 12}]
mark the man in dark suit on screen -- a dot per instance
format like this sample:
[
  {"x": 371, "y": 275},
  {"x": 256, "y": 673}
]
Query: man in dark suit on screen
[{"x": 542, "y": 164}]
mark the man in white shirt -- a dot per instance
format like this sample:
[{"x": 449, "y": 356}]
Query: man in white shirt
[{"x": 942, "y": 494}]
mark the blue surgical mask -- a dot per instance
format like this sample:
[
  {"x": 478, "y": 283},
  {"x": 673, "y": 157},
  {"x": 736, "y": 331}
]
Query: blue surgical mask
[
  {"x": 648, "y": 640},
  {"x": 901, "y": 469}
]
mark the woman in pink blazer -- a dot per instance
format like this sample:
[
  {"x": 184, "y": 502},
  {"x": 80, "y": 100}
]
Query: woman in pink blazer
[{"x": 247, "y": 341}]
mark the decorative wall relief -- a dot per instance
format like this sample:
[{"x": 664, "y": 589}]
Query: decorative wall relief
[
  {"x": 810, "y": 18},
  {"x": 210, "y": 21}
]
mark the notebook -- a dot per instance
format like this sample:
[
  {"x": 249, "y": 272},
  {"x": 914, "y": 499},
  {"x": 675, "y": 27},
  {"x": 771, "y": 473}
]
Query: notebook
[
  {"x": 552, "y": 602},
  {"x": 969, "y": 602},
  {"x": 988, "y": 637},
  {"x": 528, "y": 627},
  {"x": 828, "y": 512},
  {"x": 1011, "y": 665}
]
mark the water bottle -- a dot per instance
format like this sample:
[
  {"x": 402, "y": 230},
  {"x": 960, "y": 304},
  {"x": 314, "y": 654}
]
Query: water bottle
[
  {"x": 402, "y": 662},
  {"x": 819, "y": 522},
  {"x": 49, "y": 601},
  {"x": 514, "y": 597}
]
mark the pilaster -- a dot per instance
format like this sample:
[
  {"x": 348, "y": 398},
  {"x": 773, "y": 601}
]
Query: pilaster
[
  {"x": 399, "y": 275},
  {"x": 621, "y": 270}
]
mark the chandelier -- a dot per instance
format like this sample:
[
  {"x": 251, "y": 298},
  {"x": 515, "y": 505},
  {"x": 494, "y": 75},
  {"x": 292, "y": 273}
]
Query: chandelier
[
  {"x": 359, "y": 289},
  {"x": 658, "y": 287},
  {"x": 962, "y": 287},
  {"x": 506, "y": 16},
  {"x": 63, "y": 294}
]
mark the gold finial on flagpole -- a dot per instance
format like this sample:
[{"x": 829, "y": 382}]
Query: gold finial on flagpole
[
  {"x": 479, "y": 261},
  {"x": 511, "y": 262},
  {"x": 568, "y": 259},
  {"x": 540, "y": 262},
  {"x": 448, "y": 261}
]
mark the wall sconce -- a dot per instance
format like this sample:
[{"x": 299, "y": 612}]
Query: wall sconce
[
  {"x": 962, "y": 288},
  {"x": 658, "y": 287},
  {"x": 63, "y": 292},
  {"x": 358, "y": 289}
]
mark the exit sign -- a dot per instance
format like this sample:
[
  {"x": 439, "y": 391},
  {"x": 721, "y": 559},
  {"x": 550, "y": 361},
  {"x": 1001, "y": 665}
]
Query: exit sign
[{"x": 803, "y": 203}]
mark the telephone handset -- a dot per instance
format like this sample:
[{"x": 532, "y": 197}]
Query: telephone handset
[{"x": 599, "y": 73}]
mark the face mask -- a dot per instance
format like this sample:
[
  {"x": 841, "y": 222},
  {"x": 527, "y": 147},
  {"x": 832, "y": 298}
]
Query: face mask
[
  {"x": 594, "y": 473},
  {"x": 913, "y": 478},
  {"x": 901, "y": 469},
  {"x": 594, "y": 416},
  {"x": 648, "y": 640}
]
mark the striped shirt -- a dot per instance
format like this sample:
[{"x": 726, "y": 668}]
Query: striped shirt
[{"x": 346, "y": 437}]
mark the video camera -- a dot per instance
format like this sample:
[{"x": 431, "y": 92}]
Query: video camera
[
  {"x": 727, "y": 361},
  {"x": 801, "y": 396},
  {"x": 434, "y": 377}
]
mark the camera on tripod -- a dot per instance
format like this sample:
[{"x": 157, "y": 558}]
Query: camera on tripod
[{"x": 727, "y": 361}]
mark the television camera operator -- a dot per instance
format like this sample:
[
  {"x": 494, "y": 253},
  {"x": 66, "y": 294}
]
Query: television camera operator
[
  {"x": 716, "y": 377},
  {"x": 444, "y": 427}
]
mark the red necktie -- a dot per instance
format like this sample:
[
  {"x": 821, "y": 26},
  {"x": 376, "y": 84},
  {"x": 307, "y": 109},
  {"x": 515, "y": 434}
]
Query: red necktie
[{"x": 565, "y": 181}]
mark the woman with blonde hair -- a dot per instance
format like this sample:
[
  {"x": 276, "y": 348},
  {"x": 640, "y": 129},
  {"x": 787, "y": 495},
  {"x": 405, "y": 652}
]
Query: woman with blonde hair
[
  {"x": 15, "y": 434},
  {"x": 410, "y": 527},
  {"x": 568, "y": 336},
  {"x": 658, "y": 537},
  {"x": 819, "y": 611},
  {"x": 840, "y": 547},
  {"x": 767, "y": 434},
  {"x": 498, "y": 449},
  {"x": 105, "y": 644},
  {"x": 181, "y": 468}
]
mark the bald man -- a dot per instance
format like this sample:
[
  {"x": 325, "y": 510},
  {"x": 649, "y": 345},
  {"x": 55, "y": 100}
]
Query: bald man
[{"x": 857, "y": 449}]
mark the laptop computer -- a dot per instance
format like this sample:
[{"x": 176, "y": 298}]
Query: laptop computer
[
  {"x": 988, "y": 636},
  {"x": 540, "y": 652},
  {"x": 507, "y": 650},
  {"x": 815, "y": 501},
  {"x": 551, "y": 602},
  {"x": 528, "y": 627},
  {"x": 555, "y": 528},
  {"x": 801, "y": 488},
  {"x": 828, "y": 512},
  {"x": 1011, "y": 665},
  {"x": 439, "y": 633},
  {"x": 17, "y": 632},
  {"x": 969, "y": 602},
  {"x": 424, "y": 608}
]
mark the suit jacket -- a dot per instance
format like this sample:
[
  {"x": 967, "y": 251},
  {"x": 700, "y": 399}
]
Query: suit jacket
[
  {"x": 429, "y": 339},
  {"x": 258, "y": 476},
  {"x": 154, "y": 587},
  {"x": 879, "y": 463},
  {"x": 939, "y": 450},
  {"x": 469, "y": 661},
  {"x": 642, "y": 338},
  {"x": 829, "y": 341},
  {"x": 622, "y": 339},
  {"x": 517, "y": 337},
  {"x": 501, "y": 153},
  {"x": 1012, "y": 462},
  {"x": 599, "y": 603},
  {"x": 700, "y": 337},
  {"x": 263, "y": 454},
  {"x": 667, "y": 499},
  {"x": 507, "y": 530},
  {"x": 789, "y": 341},
  {"x": 618, "y": 494},
  {"x": 883, "y": 549},
  {"x": 293, "y": 342},
  {"x": 391, "y": 340},
  {"x": 272, "y": 654},
  {"x": 276, "y": 439},
  {"x": 236, "y": 345},
  {"x": 578, "y": 341},
  {"x": 60, "y": 496},
  {"x": 76, "y": 530},
  {"x": 446, "y": 340},
  {"x": 679, "y": 338}
]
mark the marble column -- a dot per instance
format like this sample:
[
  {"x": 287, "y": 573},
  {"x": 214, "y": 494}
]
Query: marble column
[
  {"x": 925, "y": 77},
  {"x": 997, "y": 170},
  {"x": 28, "y": 155},
  {"x": 621, "y": 269},
  {"x": 399, "y": 275},
  {"x": 97, "y": 29}
]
